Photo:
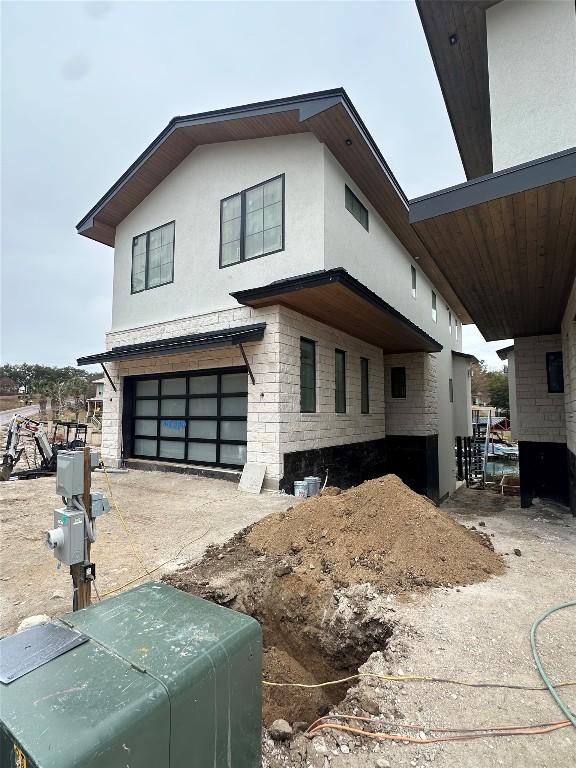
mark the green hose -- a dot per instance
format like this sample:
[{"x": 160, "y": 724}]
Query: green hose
[{"x": 538, "y": 663}]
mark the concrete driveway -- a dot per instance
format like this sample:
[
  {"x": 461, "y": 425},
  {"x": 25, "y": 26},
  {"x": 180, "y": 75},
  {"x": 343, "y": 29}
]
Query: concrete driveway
[{"x": 25, "y": 410}]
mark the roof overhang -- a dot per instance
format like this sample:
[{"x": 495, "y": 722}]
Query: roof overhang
[
  {"x": 504, "y": 352},
  {"x": 192, "y": 343},
  {"x": 456, "y": 35},
  {"x": 465, "y": 356},
  {"x": 329, "y": 115},
  {"x": 507, "y": 244},
  {"x": 339, "y": 300}
]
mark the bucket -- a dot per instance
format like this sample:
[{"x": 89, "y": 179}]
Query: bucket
[
  {"x": 300, "y": 488},
  {"x": 313, "y": 484}
]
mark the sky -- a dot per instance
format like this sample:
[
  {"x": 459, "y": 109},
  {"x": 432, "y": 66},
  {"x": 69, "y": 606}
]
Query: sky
[{"x": 87, "y": 85}]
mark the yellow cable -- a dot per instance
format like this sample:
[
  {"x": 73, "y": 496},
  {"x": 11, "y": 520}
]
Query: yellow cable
[
  {"x": 401, "y": 678},
  {"x": 116, "y": 507}
]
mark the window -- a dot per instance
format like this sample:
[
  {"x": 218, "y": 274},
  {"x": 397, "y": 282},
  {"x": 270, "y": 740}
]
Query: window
[
  {"x": 307, "y": 376},
  {"x": 450, "y": 321},
  {"x": 364, "y": 386},
  {"x": 451, "y": 390},
  {"x": 153, "y": 258},
  {"x": 434, "y": 308},
  {"x": 398, "y": 381},
  {"x": 339, "y": 381},
  {"x": 252, "y": 223},
  {"x": 555, "y": 372},
  {"x": 413, "y": 271},
  {"x": 457, "y": 329},
  {"x": 359, "y": 211}
]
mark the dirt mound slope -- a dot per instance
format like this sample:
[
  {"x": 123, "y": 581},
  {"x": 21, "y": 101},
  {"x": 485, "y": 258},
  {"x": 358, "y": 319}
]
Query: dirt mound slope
[
  {"x": 319, "y": 579},
  {"x": 379, "y": 532}
]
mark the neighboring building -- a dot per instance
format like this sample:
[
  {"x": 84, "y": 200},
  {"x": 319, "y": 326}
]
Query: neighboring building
[
  {"x": 508, "y": 74},
  {"x": 8, "y": 386},
  {"x": 94, "y": 405},
  {"x": 273, "y": 304}
]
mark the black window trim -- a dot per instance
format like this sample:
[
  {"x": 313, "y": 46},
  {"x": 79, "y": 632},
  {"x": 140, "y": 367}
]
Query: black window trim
[
  {"x": 451, "y": 389},
  {"x": 147, "y": 233},
  {"x": 549, "y": 356},
  {"x": 355, "y": 196},
  {"x": 242, "y": 194},
  {"x": 218, "y": 396},
  {"x": 364, "y": 385},
  {"x": 393, "y": 389},
  {"x": 313, "y": 343},
  {"x": 344, "y": 392}
]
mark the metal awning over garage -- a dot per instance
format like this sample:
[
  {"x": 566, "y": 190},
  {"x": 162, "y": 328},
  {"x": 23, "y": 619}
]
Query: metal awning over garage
[
  {"x": 221, "y": 338},
  {"x": 507, "y": 244},
  {"x": 339, "y": 300}
]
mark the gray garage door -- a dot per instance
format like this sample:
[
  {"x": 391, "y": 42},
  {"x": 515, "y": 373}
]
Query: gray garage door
[{"x": 195, "y": 417}]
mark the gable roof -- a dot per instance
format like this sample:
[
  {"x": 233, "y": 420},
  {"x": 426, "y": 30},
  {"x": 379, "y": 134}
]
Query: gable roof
[{"x": 328, "y": 115}]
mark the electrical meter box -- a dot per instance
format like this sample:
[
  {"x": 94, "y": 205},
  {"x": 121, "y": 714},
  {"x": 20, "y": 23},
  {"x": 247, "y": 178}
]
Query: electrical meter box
[
  {"x": 160, "y": 679},
  {"x": 70, "y": 473},
  {"x": 67, "y": 537}
]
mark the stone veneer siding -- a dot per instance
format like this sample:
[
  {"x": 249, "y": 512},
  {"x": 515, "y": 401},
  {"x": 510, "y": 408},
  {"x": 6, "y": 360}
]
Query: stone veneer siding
[
  {"x": 417, "y": 413},
  {"x": 540, "y": 414}
]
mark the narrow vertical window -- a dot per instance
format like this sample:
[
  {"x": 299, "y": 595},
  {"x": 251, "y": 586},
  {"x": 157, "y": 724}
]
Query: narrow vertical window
[
  {"x": 555, "y": 372},
  {"x": 359, "y": 211},
  {"x": 413, "y": 271},
  {"x": 457, "y": 329},
  {"x": 450, "y": 321},
  {"x": 340, "y": 381},
  {"x": 451, "y": 390},
  {"x": 434, "y": 308},
  {"x": 398, "y": 381},
  {"x": 307, "y": 376},
  {"x": 364, "y": 386}
]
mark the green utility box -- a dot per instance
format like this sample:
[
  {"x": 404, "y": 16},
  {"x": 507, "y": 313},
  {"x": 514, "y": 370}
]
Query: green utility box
[{"x": 159, "y": 679}]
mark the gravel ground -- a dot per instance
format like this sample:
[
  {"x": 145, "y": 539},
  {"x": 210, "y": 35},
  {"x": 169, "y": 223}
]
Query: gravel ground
[
  {"x": 164, "y": 511},
  {"x": 481, "y": 633}
]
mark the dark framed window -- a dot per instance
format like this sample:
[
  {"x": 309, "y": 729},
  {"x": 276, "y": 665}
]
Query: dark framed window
[
  {"x": 434, "y": 307},
  {"x": 450, "y": 321},
  {"x": 307, "y": 376},
  {"x": 359, "y": 211},
  {"x": 451, "y": 390},
  {"x": 413, "y": 274},
  {"x": 398, "y": 381},
  {"x": 252, "y": 223},
  {"x": 555, "y": 372},
  {"x": 153, "y": 258},
  {"x": 339, "y": 381},
  {"x": 364, "y": 385},
  {"x": 196, "y": 417}
]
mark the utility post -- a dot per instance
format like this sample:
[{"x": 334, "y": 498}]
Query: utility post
[{"x": 82, "y": 585}]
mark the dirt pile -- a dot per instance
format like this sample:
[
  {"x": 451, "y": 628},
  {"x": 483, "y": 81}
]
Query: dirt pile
[
  {"x": 380, "y": 532},
  {"x": 320, "y": 579}
]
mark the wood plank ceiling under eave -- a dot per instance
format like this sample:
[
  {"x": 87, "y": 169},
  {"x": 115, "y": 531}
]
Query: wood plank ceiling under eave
[{"x": 512, "y": 259}]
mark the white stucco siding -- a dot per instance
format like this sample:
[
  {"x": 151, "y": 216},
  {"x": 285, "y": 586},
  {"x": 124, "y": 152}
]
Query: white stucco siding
[
  {"x": 191, "y": 197},
  {"x": 462, "y": 405},
  {"x": 532, "y": 72},
  {"x": 540, "y": 414},
  {"x": 378, "y": 259}
]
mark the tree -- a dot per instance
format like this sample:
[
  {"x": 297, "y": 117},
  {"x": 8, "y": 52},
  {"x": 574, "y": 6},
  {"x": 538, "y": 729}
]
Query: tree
[
  {"x": 479, "y": 384},
  {"x": 498, "y": 390}
]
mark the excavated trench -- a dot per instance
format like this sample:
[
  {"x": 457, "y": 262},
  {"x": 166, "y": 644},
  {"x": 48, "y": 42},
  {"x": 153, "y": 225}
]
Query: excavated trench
[{"x": 311, "y": 633}]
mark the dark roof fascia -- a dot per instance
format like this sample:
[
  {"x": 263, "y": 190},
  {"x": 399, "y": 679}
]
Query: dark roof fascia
[
  {"x": 308, "y": 104},
  {"x": 472, "y": 358},
  {"x": 221, "y": 338},
  {"x": 510, "y": 181},
  {"x": 504, "y": 352},
  {"x": 325, "y": 277}
]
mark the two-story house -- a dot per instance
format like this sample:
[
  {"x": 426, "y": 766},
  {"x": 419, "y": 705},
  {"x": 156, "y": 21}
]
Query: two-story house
[
  {"x": 272, "y": 304},
  {"x": 507, "y": 70}
]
